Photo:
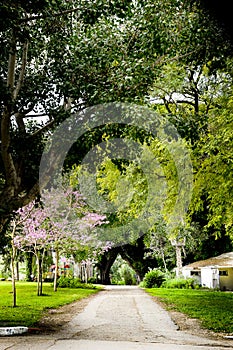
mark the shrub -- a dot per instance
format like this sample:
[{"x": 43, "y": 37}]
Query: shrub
[
  {"x": 67, "y": 282},
  {"x": 128, "y": 277},
  {"x": 153, "y": 279},
  {"x": 64, "y": 282},
  {"x": 180, "y": 283},
  {"x": 91, "y": 280}
]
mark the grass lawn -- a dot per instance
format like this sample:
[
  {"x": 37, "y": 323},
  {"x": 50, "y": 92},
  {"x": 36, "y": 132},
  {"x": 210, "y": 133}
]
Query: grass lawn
[
  {"x": 30, "y": 307},
  {"x": 214, "y": 309}
]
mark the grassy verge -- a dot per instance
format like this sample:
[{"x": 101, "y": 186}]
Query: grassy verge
[
  {"x": 213, "y": 309},
  {"x": 30, "y": 307}
]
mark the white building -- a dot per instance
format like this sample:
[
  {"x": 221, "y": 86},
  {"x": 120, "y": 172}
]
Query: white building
[{"x": 216, "y": 272}]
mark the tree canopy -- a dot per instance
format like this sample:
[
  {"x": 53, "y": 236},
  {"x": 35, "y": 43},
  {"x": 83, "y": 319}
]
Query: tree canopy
[{"x": 60, "y": 57}]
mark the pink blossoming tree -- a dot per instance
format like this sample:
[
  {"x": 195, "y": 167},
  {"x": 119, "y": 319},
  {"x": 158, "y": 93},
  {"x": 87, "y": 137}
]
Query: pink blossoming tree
[
  {"x": 33, "y": 236},
  {"x": 60, "y": 223}
]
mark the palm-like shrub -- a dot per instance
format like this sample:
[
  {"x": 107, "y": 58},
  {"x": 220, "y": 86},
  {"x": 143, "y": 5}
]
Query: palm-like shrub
[{"x": 153, "y": 279}]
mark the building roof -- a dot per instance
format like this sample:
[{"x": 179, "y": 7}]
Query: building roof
[{"x": 223, "y": 260}]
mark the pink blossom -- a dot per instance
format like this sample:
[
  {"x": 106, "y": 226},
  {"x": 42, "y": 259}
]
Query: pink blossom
[{"x": 63, "y": 218}]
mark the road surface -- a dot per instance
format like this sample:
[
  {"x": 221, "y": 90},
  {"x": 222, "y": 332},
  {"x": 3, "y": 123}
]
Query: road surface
[{"x": 119, "y": 318}]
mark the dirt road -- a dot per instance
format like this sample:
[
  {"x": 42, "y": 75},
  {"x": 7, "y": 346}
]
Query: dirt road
[{"x": 119, "y": 318}]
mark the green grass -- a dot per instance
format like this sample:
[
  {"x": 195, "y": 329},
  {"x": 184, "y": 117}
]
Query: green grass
[
  {"x": 213, "y": 309},
  {"x": 30, "y": 307}
]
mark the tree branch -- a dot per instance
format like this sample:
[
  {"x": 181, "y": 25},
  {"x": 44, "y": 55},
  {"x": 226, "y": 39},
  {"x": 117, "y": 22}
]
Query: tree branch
[
  {"x": 166, "y": 104},
  {"x": 22, "y": 70},
  {"x": 9, "y": 167},
  {"x": 20, "y": 122},
  {"x": 58, "y": 14},
  {"x": 26, "y": 115},
  {"x": 11, "y": 63},
  {"x": 176, "y": 58},
  {"x": 41, "y": 130},
  {"x": 186, "y": 102}
]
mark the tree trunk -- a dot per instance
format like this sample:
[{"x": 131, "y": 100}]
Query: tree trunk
[
  {"x": 41, "y": 276},
  {"x": 13, "y": 255},
  {"x": 56, "y": 270},
  {"x": 105, "y": 265},
  {"x": 134, "y": 255},
  {"x": 17, "y": 271},
  {"x": 13, "y": 279},
  {"x": 164, "y": 261},
  {"x": 28, "y": 266},
  {"x": 38, "y": 274},
  {"x": 178, "y": 260}
]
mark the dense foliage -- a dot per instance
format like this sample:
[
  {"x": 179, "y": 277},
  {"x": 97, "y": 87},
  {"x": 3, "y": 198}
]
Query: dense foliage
[
  {"x": 67, "y": 282},
  {"x": 153, "y": 279},
  {"x": 61, "y": 57},
  {"x": 180, "y": 283}
]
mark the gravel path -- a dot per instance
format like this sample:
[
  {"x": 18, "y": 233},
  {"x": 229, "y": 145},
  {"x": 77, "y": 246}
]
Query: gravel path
[{"x": 119, "y": 318}]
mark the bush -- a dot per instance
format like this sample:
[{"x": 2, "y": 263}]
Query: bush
[
  {"x": 91, "y": 280},
  {"x": 153, "y": 279},
  {"x": 64, "y": 282},
  {"x": 128, "y": 276},
  {"x": 67, "y": 282},
  {"x": 181, "y": 283}
]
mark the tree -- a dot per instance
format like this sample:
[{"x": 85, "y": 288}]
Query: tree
[
  {"x": 71, "y": 224},
  {"x": 194, "y": 99},
  {"x": 13, "y": 257},
  {"x": 61, "y": 222},
  {"x": 213, "y": 190},
  {"x": 61, "y": 56},
  {"x": 159, "y": 245},
  {"x": 34, "y": 237}
]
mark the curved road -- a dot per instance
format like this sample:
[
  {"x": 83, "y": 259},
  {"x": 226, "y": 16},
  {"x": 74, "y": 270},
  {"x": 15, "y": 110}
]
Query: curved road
[{"x": 119, "y": 318}]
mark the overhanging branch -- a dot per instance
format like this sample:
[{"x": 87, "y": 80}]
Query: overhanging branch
[
  {"x": 58, "y": 14},
  {"x": 22, "y": 70}
]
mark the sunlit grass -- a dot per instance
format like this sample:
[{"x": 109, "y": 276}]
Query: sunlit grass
[
  {"x": 30, "y": 307},
  {"x": 214, "y": 309}
]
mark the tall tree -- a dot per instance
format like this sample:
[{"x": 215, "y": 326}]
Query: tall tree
[
  {"x": 63, "y": 56},
  {"x": 213, "y": 190}
]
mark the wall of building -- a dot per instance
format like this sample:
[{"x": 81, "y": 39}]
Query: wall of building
[
  {"x": 226, "y": 281},
  {"x": 192, "y": 273},
  {"x": 186, "y": 273},
  {"x": 209, "y": 277}
]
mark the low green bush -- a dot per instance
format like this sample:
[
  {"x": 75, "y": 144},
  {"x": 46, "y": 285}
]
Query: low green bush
[
  {"x": 68, "y": 282},
  {"x": 128, "y": 277},
  {"x": 181, "y": 283},
  {"x": 153, "y": 279},
  {"x": 91, "y": 280}
]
